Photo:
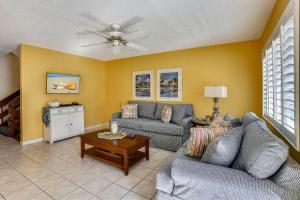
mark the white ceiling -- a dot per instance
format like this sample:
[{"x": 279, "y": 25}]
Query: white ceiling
[{"x": 169, "y": 24}]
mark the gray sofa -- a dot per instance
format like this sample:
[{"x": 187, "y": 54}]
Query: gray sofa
[
  {"x": 169, "y": 136},
  {"x": 183, "y": 177}
]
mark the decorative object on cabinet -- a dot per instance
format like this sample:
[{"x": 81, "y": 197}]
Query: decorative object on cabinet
[
  {"x": 63, "y": 122},
  {"x": 215, "y": 92},
  {"x": 142, "y": 87},
  {"x": 169, "y": 84},
  {"x": 53, "y": 104},
  {"x": 63, "y": 83}
]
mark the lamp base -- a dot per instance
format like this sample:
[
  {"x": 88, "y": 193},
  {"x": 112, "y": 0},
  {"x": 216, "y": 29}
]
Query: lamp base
[{"x": 216, "y": 112}]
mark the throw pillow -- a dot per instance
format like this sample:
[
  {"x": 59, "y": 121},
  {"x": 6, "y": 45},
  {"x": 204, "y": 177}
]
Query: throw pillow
[
  {"x": 218, "y": 122},
  {"x": 200, "y": 138},
  {"x": 129, "y": 111},
  {"x": 223, "y": 150},
  {"x": 235, "y": 122},
  {"x": 166, "y": 114}
]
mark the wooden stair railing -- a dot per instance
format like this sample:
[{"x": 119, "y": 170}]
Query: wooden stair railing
[
  {"x": 14, "y": 117},
  {"x": 4, "y": 103},
  {"x": 10, "y": 112}
]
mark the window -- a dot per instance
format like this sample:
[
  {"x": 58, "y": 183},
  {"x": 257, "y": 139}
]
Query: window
[{"x": 281, "y": 76}]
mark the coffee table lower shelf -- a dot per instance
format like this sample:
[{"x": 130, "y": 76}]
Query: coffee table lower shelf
[{"x": 115, "y": 159}]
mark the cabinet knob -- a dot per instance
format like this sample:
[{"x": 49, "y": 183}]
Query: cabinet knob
[
  {"x": 71, "y": 124},
  {"x": 66, "y": 124}
]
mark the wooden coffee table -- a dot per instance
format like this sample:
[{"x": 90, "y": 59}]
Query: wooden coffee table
[{"x": 121, "y": 153}]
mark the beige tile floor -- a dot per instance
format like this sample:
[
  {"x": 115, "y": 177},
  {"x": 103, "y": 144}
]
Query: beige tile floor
[{"x": 42, "y": 171}]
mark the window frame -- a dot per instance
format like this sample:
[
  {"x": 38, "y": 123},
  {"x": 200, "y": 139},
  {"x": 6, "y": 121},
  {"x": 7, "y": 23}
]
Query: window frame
[{"x": 293, "y": 139}]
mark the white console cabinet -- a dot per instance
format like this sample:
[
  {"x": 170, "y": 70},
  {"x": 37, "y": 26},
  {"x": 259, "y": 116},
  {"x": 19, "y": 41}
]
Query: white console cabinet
[{"x": 64, "y": 122}]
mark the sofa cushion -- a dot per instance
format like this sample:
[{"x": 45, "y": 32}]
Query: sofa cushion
[
  {"x": 261, "y": 153},
  {"x": 178, "y": 113},
  {"x": 145, "y": 109},
  {"x": 288, "y": 176},
  {"x": 249, "y": 117},
  {"x": 134, "y": 124},
  {"x": 157, "y": 126},
  {"x": 223, "y": 150}
]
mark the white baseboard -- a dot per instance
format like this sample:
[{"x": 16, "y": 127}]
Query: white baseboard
[
  {"x": 32, "y": 141},
  {"x": 89, "y": 128}
]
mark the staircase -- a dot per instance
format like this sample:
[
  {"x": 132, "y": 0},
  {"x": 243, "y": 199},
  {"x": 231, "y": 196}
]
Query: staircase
[{"x": 10, "y": 116}]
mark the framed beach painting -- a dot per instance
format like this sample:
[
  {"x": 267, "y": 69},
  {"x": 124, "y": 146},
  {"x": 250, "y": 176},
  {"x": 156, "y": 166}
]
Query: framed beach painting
[
  {"x": 169, "y": 84},
  {"x": 142, "y": 86},
  {"x": 63, "y": 83}
]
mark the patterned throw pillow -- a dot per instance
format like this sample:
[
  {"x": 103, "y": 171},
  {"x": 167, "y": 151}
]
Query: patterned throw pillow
[
  {"x": 200, "y": 138},
  {"x": 219, "y": 122},
  {"x": 129, "y": 111},
  {"x": 166, "y": 114}
]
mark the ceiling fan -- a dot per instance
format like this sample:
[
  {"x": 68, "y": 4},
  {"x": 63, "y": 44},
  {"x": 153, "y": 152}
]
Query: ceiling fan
[{"x": 115, "y": 34}]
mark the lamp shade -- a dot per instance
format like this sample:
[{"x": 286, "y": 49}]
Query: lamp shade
[{"x": 215, "y": 91}]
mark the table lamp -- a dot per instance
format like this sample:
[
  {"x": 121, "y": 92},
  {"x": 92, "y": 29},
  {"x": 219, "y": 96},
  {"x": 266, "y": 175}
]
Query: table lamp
[{"x": 215, "y": 92}]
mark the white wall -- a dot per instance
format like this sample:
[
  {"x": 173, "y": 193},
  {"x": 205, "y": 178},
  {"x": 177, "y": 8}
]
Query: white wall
[{"x": 9, "y": 75}]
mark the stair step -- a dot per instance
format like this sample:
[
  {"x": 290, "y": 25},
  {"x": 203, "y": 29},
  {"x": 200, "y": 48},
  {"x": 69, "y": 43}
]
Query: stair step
[{"x": 4, "y": 129}]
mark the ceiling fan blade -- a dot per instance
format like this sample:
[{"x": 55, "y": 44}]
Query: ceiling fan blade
[
  {"x": 136, "y": 46},
  {"x": 116, "y": 49},
  {"x": 99, "y": 33},
  {"x": 88, "y": 45},
  {"x": 130, "y": 22},
  {"x": 92, "y": 18},
  {"x": 130, "y": 32}
]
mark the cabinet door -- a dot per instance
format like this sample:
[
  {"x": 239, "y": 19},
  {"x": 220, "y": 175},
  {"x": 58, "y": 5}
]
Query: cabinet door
[
  {"x": 60, "y": 126},
  {"x": 76, "y": 123}
]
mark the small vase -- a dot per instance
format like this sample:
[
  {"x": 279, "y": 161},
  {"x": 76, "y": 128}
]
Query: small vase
[{"x": 114, "y": 127}]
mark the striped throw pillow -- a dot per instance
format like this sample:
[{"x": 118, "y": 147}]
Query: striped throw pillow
[
  {"x": 129, "y": 111},
  {"x": 200, "y": 138},
  {"x": 219, "y": 122},
  {"x": 166, "y": 114}
]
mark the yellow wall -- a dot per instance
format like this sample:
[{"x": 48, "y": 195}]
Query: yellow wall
[
  {"x": 236, "y": 66},
  {"x": 35, "y": 62},
  {"x": 276, "y": 14}
]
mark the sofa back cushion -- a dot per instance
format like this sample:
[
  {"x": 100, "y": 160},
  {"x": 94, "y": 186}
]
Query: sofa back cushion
[
  {"x": 178, "y": 109},
  {"x": 261, "y": 153},
  {"x": 223, "y": 150},
  {"x": 249, "y": 117},
  {"x": 145, "y": 109}
]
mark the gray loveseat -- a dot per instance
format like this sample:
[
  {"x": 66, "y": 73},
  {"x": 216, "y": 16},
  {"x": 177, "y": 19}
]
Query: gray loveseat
[
  {"x": 168, "y": 136},
  {"x": 183, "y": 177}
]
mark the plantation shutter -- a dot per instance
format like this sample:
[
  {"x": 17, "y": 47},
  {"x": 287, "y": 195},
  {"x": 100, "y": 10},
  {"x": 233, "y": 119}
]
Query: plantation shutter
[
  {"x": 280, "y": 73},
  {"x": 288, "y": 76}
]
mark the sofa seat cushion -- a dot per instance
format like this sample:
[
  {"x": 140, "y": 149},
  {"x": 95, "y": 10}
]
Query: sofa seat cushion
[
  {"x": 158, "y": 126},
  {"x": 261, "y": 153},
  {"x": 134, "y": 124}
]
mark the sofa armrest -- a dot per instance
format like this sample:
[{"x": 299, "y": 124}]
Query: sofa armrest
[
  {"x": 117, "y": 115},
  {"x": 186, "y": 122},
  {"x": 192, "y": 178},
  {"x": 164, "y": 181}
]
